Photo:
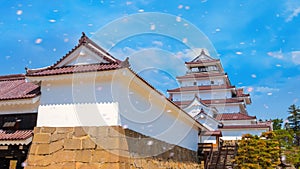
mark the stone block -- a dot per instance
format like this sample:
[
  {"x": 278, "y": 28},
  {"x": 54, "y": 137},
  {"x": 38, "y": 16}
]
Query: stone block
[
  {"x": 80, "y": 131},
  {"x": 97, "y": 132},
  {"x": 41, "y": 138},
  {"x": 64, "y": 129},
  {"x": 42, "y": 149},
  {"x": 72, "y": 144},
  {"x": 89, "y": 166},
  {"x": 88, "y": 143},
  {"x": 64, "y": 156},
  {"x": 36, "y": 130},
  {"x": 83, "y": 156},
  {"x": 104, "y": 157},
  {"x": 39, "y": 160},
  {"x": 49, "y": 130},
  {"x": 33, "y": 148},
  {"x": 58, "y": 136},
  {"x": 55, "y": 146},
  {"x": 116, "y": 131},
  {"x": 112, "y": 165}
]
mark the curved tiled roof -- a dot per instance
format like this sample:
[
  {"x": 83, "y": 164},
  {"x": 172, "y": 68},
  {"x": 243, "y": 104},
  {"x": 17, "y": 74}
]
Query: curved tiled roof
[
  {"x": 76, "y": 69},
  {"x": 113, "y": 63},
  {"x": 197, "y": 88},
  {"x": 234, "y": 116},
  {"x": 15, "y": 135},
  {"x": 15, "y": 87},
  {"x": 200, "y": 75},
  {"x": 246, "y": 126}
]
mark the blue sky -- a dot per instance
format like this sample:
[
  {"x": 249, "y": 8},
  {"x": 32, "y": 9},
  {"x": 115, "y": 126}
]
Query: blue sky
[{"x": 257, "y": 41}]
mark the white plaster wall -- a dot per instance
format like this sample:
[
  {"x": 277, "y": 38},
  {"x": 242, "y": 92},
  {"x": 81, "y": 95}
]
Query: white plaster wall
[
  {"x": 227, "y": 108},
  {"x": 203, "y": 82},
  {"x": 104, "y": 101},
  {"x": 209, "y": 123},
  {"x": 142, "y": 113},
  {"x": 217, "y": 94},
  {"x": 183, "y": 96},
  {"x": 67, "y": 115},
  {"x": 239, "y": 133}
]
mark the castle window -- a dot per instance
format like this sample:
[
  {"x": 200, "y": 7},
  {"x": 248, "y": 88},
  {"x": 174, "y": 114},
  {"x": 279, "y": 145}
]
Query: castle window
[{"x": 195, "y": 83}]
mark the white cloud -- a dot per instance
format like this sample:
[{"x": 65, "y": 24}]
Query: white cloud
[
  {"x": 296, "y": 57},
  {"x": 295, "y": 13},
  {"x": 264, "y": 89},
  {"x": 293, "y": 56},
  {"x": 277, "y": 55},
  {"x": 292, "y": 9}
]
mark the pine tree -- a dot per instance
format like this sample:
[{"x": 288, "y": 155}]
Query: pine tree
[{"x": 258, "y": 152}]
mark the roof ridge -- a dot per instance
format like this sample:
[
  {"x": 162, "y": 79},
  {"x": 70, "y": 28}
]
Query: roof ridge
[{"x": 12, "y": 77}]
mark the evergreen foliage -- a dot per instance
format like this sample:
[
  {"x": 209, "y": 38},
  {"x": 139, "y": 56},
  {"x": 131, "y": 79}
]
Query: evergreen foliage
[{"x": 258, "y": 152}]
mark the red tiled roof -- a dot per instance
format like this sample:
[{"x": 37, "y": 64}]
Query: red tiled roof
[
  {"x": 234, "y": 116},
  {"x": 195, "y": 88},
  {"x": 208, "y": 102},
  {"x": 15, "y": 135},
  {"x": 222, "y": 101},
  {"x": 199, "y": 75},
  {"x": 246, "y": 126},
  {"x": 76, "y": 69},
  {"x": 240, "y": 93},
  {"x": 15, "y": 87}
]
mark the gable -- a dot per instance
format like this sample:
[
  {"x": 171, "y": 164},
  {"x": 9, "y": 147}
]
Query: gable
[
  {"x": 203, "y": 56},
  {"x": 81, "y": 56},
  {"x": 86, "y": 52}
]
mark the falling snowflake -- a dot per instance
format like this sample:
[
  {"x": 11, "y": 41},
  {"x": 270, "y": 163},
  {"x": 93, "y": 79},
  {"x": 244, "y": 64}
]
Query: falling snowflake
[
  {"x": 55, "y": 10},
  {"x": 218, "y": 30},
  {"x": 238, "y": 53},
  {"x": 152, "y": 27},
  {"x": 253, "y": 75},
  {"x": 187, "y": 7},
  {"x": 125, "y": 126},
  {"x": 38, "y": 40},
  {"x": 250, "y": 89},
  {"x": 180, "y": 6},
  {"x": 150, "y": 142},
  {"x": 178, "y": 19},
  {"x": 99, "y": 88},
  {"x": 269, "y": 94},
  {"x": 54, "y": 49},
  {"x": 19, "y": 12},
  {"x": 52, "y": 20},
  {"x": 66, "y": 40},
  {"x": 184, "y": 40},
  {"x": 266, "y": 106},
  {"x": 7, "y": 57},
  {"x": 141, "y": 10},
  {"x": 90, "y": 24}
]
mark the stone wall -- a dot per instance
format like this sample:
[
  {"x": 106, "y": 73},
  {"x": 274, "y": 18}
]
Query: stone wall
[{"x": 104, "y": 147}]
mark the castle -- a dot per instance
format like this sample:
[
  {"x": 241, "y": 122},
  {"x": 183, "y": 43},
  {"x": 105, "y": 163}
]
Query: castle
[{"x": 90, "y": 110}]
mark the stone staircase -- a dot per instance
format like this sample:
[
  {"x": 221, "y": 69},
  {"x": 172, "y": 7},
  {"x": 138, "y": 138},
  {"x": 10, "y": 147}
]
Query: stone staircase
[{"x": 220, "y": 159}]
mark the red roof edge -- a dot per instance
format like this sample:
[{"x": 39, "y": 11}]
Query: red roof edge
[{"x": 12, "y": 77}]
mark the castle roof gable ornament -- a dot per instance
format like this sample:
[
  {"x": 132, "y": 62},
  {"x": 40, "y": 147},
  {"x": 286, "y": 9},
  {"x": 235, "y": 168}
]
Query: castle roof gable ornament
[{"x": 202, "y": 57}]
